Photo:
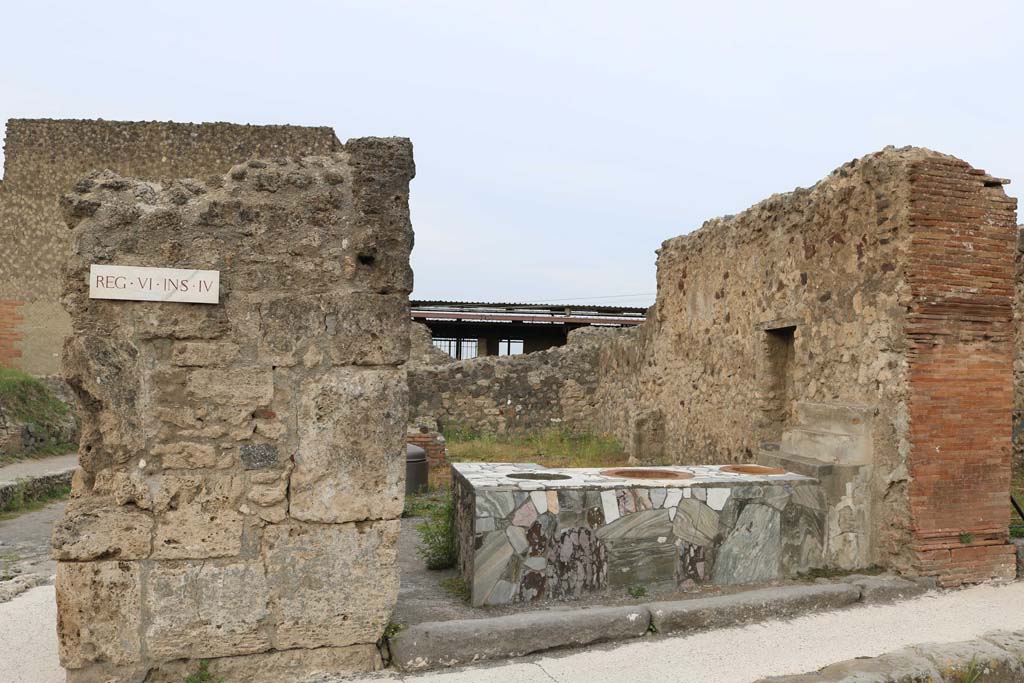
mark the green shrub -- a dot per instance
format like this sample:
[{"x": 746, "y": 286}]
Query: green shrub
[
  {"x": 203, "y": 675},
  {"x": 437, "y": 532}
]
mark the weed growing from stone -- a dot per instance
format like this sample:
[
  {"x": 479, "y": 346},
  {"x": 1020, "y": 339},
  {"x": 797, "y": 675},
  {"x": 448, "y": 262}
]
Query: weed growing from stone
[
  {"x": 974, "y": 672},
  {"x": 203, "y": 675},
  {"x": 393, "y": 629},
  {"x": 458, "y": 587},
  {"x": 966, "y": 538},
  {"x": 437, "y": 531},
  {"x": 637, "y": 591}
]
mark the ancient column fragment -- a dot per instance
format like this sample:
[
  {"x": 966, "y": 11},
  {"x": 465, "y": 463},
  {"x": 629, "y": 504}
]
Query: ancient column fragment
[{"x": 241, "y": 463}]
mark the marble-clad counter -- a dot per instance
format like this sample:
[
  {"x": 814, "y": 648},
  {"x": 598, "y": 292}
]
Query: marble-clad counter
[{"x": 526, "y": 532}]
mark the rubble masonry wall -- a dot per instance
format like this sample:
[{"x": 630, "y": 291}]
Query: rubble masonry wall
[{"x": 241, "y": 464}]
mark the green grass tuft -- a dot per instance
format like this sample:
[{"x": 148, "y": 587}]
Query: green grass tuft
[
  {"x": 458, "y": 587},
  {"x": 203, "y": 675},
  {"x": 554, "y": 447},
  {"x": 437, "y": 531}
]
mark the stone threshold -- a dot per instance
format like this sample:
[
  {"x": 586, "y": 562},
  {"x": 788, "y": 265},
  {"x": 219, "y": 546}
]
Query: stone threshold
[
  {"x": 996, "y": 657},
  {"x": 438, "y": 644}
]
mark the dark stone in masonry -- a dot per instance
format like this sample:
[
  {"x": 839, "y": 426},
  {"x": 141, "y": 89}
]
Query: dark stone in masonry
[{"x": 258, "y": 456}]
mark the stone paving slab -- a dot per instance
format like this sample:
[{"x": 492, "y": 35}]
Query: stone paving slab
[
  {"x": 769, "y": 603},
  {"x": 996, "y": 657},
  {"x": 464, "y": 641}
]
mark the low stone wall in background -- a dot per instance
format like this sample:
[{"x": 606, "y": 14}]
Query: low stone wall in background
[{"x": 506, "y": 394}]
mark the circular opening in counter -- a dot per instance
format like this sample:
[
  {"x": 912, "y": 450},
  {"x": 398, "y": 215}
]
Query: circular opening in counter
[
  {"x": 645, "y": 473},
  {"x": 752, "y": 469},
  {"x": 538, "y": 476}
]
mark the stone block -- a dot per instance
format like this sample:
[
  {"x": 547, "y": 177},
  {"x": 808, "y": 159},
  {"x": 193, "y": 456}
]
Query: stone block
[
  {"x": 350, "y": 463},
  {"x": 729, "y": 610},
  {"x": 198, "y": 531},
  {"x": 331, "y": 585},
  {"x": 185, "y": 455},
  {"x": 248, "y": 387},
  {"x": 92, "y": 530},
  {"x": 175, "y": 321},
  {"x": 367, "y": 329},
  {"x": 105, "y": 374},
  {"x": 881, "y": 589},
  {"x": 197, "y": 516},
  {"x": 277, "y": 666},
  {"x": 201, "y": 609},
  {"x": 752, "y": 551},
  {"x": 98, "y": 611},
  {"x": 461, "y": 641},
  {"x": 201, "y": 354}
]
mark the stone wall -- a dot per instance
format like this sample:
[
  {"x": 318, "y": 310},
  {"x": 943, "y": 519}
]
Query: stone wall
[
  {"x": 503, "y": 394},
  {"x": 840, "y": 324},
  {"x": 44, "y": 158},
  {"x": 241, "y": 464}
]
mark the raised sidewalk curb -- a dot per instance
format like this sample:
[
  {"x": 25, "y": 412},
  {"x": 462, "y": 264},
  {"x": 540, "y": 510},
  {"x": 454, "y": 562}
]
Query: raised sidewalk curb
[
  {"x": 466, "y": 641},
  {"x": 996, "y": 657},
  {"x": 33, "y": 487}
]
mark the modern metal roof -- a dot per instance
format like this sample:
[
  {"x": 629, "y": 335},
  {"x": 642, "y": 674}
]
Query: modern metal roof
[
  {"x": 558, "y": 314},
  {"x": 632, "y": 311}
]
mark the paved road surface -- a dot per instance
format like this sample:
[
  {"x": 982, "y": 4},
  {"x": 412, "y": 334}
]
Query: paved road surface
[{"x": 34, "y": 467}]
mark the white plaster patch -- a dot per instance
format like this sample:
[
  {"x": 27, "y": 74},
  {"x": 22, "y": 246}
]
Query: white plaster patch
[
  {"x": 673, "y": 497},
  {"x": 540, "y": 501},
  {"x": 662, "y": 539},
  {"x": 671, "y": 514},
  {"x": 687, "y": 493},
  {"x": 610, "y": 504},
  {"x": 717, "y": 498}
]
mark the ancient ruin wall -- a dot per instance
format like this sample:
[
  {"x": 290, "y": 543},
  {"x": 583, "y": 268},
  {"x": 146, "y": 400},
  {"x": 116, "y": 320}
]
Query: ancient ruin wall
[
  {"x": 241, "y": 464},
  {"x": 43, "y": 158},
  {"x": 854, "y": 278},
  {"x": 961, "y": 357},
  {"x": 504, "y": 394}
]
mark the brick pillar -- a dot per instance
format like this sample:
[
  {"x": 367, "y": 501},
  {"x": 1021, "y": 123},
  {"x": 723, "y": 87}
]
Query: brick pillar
[
  {"x": 424, "y": 433},
  {"x": 960, "y": 352}
]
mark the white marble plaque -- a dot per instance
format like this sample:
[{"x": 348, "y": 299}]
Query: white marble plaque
[{"x": 154, "y": 284}]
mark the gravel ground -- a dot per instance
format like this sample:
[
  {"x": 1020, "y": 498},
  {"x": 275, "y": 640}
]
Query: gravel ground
[{"x": 28, "y": 649}]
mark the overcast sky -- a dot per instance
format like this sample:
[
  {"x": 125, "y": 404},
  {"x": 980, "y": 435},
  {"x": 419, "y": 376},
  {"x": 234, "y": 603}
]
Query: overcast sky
[{"x": 557, "y": 144}]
